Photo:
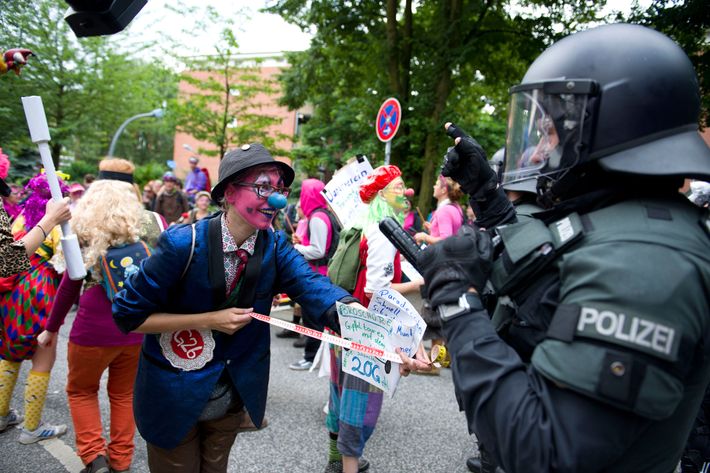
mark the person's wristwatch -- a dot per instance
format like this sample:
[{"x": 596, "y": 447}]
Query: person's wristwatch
[{"x": 468, "y": 302}]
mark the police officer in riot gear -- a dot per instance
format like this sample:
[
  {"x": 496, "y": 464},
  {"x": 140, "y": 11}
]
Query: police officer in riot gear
[{"x": 605, "y": 361}]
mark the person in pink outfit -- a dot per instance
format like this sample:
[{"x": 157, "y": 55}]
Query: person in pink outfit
[
  {"x": 448, "y": 216},
  {"x": 316, "y": 246},
  {"x": 12, "y": 204},
  {"x": 445, "y": 222}
]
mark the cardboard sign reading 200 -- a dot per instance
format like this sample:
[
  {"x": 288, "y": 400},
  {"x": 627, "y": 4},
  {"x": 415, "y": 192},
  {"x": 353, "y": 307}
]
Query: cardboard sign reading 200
[{"x": 388, "y": 119}]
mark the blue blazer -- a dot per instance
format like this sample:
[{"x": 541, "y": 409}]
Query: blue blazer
[{"x": 167, "y": 400}]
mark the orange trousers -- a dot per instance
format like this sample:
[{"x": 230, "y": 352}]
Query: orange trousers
[{"x": 86, "y": 365}]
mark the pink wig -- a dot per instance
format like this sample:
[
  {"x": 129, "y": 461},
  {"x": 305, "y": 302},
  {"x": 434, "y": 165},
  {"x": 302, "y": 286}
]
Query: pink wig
[{"x": 4, "y": 165}]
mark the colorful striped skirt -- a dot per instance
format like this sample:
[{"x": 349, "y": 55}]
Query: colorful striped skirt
[
  {"x": 353, "y": 408},
  {"x": 25, "y": 308}
]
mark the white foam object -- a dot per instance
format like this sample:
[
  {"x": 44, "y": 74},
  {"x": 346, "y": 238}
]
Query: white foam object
[{"x": 39, "y": 133}]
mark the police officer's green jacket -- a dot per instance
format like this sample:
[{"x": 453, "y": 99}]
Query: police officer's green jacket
[{"x": 612, "y": 309}]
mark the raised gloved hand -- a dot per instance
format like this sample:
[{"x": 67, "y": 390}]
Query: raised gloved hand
[
  {"x": 466, "y": 163},
  {"x": 455, "y": 264}
]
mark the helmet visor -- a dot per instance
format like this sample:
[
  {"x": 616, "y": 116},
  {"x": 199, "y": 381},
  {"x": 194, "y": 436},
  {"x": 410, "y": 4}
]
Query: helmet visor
[{"x": 541, "y": 125}]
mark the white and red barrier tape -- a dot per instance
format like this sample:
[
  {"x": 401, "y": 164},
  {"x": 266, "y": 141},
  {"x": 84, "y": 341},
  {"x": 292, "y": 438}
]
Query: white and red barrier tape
[{"x": 326, "y": 337}]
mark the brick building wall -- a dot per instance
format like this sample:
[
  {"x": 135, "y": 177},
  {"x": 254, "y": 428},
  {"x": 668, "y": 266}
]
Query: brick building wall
[{"x": 268, "y": 106}]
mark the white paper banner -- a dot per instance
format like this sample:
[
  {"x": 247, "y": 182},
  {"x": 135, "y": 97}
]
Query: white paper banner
[
  {"x": 390, "y": 322},
  {"x": 342, "y": 192}
]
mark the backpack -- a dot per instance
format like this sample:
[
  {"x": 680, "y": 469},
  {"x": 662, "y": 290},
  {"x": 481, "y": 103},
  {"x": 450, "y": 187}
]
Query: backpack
[
  {"x": 334, "y": 238},
  {"x": 345, "y": 264},
  {"x": 119, "y": 263}
]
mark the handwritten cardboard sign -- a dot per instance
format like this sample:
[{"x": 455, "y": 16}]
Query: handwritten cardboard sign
[
  {"x": 342, "y": 192},
  {"x": 390, "y": 322}
]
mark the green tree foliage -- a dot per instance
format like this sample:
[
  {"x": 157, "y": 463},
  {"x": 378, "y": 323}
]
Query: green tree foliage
[
  {"x": 148, "y": 172},
  {"x": 24, "y": 165},
  {"x": 89, "y": 86},
  {"x": 225, "y": 92},
  {"x": 444, "y": 60}
]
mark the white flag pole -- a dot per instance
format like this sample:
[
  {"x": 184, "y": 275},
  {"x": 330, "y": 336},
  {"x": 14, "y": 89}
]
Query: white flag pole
[{"x": 39, "y": 133}]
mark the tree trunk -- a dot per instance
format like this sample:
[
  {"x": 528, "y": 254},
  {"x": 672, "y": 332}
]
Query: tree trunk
[
  {"x": 56, "y": 148},
  {"x": 393, "y": 48},
  {"x": 406, "y": 48},
  {"x": 224, "y": 144},
  {"x": 433, "y": 154},
  {"x": 59, "y": 120},
  {"x": 451, "y": 13},
  {"x": 393, "y": 64},
  {"x": 399, "y": 55}
]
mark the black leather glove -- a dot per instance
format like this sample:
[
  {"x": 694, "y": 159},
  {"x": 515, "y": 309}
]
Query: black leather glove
[
  {"x": 453, "y": 265},
  {"x": 331, "y": 319},
  {"x": 466, "y": 164}
]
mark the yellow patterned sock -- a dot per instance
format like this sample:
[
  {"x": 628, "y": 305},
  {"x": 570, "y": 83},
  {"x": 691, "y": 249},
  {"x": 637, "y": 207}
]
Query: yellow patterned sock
[
  {"x": 8, "y": 377},
  {"x": 35, "y": 394}
]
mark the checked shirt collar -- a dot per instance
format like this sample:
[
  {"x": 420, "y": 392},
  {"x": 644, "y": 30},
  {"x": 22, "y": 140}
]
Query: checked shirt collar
[{"x": 234, "y": 256}]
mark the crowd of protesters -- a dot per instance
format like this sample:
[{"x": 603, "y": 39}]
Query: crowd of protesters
[
  {"x": 299, "y": 240},
  {"x": 261, "y": 245}
]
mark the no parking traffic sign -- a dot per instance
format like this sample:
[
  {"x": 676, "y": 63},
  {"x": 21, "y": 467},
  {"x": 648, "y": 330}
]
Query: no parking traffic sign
[{"x": 388, "y": 119}]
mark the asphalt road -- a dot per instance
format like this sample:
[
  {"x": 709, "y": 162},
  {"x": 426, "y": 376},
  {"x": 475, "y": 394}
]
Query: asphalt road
[{"x": 420, "y": 428}]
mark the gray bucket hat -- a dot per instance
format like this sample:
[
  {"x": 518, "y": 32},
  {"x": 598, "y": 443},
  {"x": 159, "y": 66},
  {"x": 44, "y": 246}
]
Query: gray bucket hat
[{"x": 245, "y": 157}]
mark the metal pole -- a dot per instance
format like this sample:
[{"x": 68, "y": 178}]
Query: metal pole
[
  {"x": 388, "y": 151},
  {"x": 123, "y": 127}
]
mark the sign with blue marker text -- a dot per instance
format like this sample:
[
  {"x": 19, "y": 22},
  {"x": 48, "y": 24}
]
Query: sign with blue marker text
[
  {"x": 390, "y": 322},
  {"x": 342, "y": 192}
]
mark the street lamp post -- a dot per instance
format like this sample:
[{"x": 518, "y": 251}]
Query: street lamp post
[
  {"x": 157, "y": 113},
  {"x": 190, "y": 149}
]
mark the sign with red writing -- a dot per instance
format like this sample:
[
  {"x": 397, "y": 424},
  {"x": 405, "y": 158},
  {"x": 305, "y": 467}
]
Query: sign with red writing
[{"x": 188, "y": 349}]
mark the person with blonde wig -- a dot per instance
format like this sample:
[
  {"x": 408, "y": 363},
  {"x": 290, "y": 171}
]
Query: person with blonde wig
[{"x": 110, "y": 214}]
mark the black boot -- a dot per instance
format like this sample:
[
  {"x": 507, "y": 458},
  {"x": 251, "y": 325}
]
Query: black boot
[
  {"x": 474, "y": 465},
  {"x": 286, "y": 334},
  {"x": 483, "y": 464}
]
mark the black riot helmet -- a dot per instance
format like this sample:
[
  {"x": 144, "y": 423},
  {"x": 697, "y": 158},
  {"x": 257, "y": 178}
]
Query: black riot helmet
[{"x": 622, "y": 95}]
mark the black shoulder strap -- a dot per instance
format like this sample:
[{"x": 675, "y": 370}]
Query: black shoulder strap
[
  {"x": 192, "y": 252},
  {"x": 334, "y": 236},
  {"x": 215, "y": 258},
  {"x": 331, "y": 217},
  {"x": 252, "y": 272}
]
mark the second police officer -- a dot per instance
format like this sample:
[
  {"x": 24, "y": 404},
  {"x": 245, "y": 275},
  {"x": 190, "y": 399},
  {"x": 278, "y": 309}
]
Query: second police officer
[{"x": 609, "y": 287}]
